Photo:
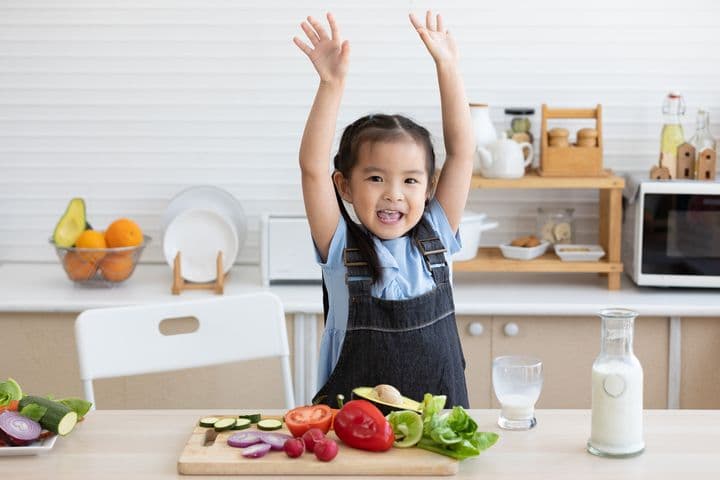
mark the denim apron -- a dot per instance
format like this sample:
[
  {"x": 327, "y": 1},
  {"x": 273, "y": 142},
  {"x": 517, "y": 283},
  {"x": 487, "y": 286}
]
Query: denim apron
[{"x": 412, "y": 344}]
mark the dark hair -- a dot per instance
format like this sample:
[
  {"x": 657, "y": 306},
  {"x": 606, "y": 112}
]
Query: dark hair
[{"x": 376, "y": 128}]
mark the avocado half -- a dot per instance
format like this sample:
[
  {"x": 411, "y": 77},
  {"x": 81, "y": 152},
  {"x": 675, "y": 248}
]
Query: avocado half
[
  {"x": 71, "y": 224},
  {"x": 386, "y": 405}
]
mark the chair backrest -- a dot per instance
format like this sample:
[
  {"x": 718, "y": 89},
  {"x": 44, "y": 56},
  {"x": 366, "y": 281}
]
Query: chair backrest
[{"x": 231, "y": 329}]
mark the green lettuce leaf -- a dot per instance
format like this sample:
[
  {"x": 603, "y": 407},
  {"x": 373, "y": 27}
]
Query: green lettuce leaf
[
  {"x": 33, "y": 411},
  {"x": 77, "y": 405}
]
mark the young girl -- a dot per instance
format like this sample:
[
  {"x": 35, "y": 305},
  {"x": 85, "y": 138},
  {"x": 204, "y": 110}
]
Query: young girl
[{"x": 389, "y": 306}]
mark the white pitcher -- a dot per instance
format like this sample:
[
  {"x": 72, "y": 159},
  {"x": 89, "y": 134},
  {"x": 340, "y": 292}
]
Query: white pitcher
[
  {"x": 504, "y": 158},
  {"x": 483, "y": 128}
]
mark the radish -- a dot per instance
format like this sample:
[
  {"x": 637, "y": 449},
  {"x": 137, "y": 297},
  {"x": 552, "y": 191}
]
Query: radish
[
  {"x": 294, "y": 447},
  {"x": 326, "y": 449},
  {"x": 311, "y": 437}
]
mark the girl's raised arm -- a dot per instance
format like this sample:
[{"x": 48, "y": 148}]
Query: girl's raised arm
[
  {"x": 454, "y": 183},
  {"x": 330, "y": 57}
]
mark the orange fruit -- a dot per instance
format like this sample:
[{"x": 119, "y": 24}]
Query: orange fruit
[
  {"x": 77, "y": 267},
  {"x": 123, "y": 233},
  {"x": 116, "y": 267},
  {"x": 91, "y": 239}
]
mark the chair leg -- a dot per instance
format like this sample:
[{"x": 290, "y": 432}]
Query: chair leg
[
  {"x": 89, "y": 393},
  {"x": 288, "y": 383}
]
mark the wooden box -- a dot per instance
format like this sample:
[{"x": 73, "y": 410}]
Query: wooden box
[{"x": 573, "y": 160}]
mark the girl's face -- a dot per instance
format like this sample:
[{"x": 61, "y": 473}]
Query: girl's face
[{"x": 388, "y": 186}]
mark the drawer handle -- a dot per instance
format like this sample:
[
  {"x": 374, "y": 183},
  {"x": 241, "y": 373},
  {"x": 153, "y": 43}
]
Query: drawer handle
[
  {"x": 511, "y": 329},
  {"x": 475, "y": 329}
]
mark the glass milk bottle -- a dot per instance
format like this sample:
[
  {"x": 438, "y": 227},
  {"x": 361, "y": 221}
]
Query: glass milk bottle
[{"x": 617, "y": 390}]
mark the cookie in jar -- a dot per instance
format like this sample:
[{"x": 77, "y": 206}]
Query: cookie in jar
[{"x": 556, "y": 226}]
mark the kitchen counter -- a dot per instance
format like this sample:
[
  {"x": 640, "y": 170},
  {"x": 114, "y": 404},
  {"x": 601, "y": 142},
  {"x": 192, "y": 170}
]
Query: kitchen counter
[
  {"x": 44, "y": 288},
  {"x": 40, "y": 287},
  {"x": 146, "y": 444}
]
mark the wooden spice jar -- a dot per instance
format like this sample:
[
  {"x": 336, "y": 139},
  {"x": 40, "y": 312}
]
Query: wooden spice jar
[
  {"x": 587, "y": 137},
  {"x": 558, "y": 137}
]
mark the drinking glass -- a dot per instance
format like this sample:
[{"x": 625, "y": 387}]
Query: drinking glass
[{"x": 517, "y": 381}]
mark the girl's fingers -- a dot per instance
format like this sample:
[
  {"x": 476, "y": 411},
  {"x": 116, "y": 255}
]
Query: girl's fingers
[
  {"x": 312, "y": 36},
  {"x": 429, "y": 21},
  {"x": 415, "y": 22},
  {"x": 440, "y": 25},
  {"x": 334, "y": 30},
  {"x": 318, "y": 28},
  {"x": 302, "y": 46}
]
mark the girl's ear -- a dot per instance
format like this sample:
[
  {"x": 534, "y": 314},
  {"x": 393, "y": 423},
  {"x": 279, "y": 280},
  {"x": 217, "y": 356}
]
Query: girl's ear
[{"x": 342, "y": 185}]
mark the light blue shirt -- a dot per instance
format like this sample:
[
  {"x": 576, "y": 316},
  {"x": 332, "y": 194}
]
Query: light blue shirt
[{"x": 404, "y": 275}]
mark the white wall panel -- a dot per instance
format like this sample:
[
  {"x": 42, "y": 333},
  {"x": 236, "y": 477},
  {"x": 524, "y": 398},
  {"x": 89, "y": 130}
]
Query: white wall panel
[{"x": 128, "y": 102}]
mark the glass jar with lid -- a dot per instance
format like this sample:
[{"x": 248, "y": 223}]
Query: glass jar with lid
[
  {"x": 518, "y": 126},
  {"x": 556, "y": 225}
]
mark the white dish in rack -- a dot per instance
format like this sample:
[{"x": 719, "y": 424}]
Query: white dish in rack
[
  {"x": 579, "y": 253},
  {"x": 37, "y": 448},
  {"x": 523, "y": 253},
  {"x": 199, "y": 235}
]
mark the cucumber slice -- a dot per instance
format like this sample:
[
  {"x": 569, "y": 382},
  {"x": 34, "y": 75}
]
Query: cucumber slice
[
  {"x": 241, "y": 424},
  {"x": 224, "y": 424},
  {"x": 208, "y": 421},
  {"x": 253, "y": 417},
  {"x": 269, "y": 424}
]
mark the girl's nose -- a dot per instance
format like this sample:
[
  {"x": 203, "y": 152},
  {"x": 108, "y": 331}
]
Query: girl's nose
[{"x": 393, "y": 196}]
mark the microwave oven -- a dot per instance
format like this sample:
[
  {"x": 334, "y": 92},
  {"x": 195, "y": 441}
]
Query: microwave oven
[{"x": 671, "y": 233}]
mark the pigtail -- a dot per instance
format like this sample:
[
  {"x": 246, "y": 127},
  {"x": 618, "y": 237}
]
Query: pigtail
[{"x": 362, "y": 238}]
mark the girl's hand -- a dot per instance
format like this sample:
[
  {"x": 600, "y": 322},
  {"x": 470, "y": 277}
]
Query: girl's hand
[
  {"x": 329, "y": 54},
  {"x": 438, "y": 41}
]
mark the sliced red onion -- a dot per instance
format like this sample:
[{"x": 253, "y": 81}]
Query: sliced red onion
[
  {"x": 274, "y": 439},
  {"x": 19, "y": 430},
  {"x": 244, "y": 439},
  {"x": 256, "y": 451}
]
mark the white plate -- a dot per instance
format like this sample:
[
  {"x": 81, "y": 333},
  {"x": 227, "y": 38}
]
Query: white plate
[
  {"x": 523, "y": 253},
  {"x": 579, "y": 253},
  {"x": 208, "y": 197},
  {"x": 198, "y": 235},
  {"x": 37, "y": 448}
]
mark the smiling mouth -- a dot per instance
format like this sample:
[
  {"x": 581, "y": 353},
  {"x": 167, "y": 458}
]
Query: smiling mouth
[{"x": 389, "y": 217}]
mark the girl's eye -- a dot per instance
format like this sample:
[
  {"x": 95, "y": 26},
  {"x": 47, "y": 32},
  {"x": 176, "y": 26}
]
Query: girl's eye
[
  {"x": 375, "y": 178},
  {"x": 411, "y": 180}
]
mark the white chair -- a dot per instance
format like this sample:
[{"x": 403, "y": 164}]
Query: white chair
[{"x": 231, "y": 329}]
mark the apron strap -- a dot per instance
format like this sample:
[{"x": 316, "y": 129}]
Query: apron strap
[
  {"x": 433, "y": 251},
  {"x": 357, "y": 276}
]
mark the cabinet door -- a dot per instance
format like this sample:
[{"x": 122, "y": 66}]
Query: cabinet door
[
  {"x": 700, "y": 375},
  {"x": 475, "y": 335},
  {"x": 568, "y": 346}
]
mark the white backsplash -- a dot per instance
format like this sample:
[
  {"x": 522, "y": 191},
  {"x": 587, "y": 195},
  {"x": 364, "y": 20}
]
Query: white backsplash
[{"x": 128, "y": 102}]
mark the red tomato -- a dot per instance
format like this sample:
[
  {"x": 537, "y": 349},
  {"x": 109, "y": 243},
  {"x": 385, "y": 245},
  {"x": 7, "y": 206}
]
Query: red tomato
[
  {"x": 301, "y": 419},
  {"x": 360, "y": 424}
]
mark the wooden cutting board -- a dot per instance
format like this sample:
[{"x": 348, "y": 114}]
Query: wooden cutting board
[{"x": 207, "y": 453}]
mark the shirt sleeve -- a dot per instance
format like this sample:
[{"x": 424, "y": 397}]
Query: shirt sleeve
[
  {"x": 337, "y": 244},
  {"x": 436, "y": 215}
]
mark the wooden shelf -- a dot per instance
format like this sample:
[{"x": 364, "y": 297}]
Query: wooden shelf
[
  {"x": 533, "y": 180},
  {"x": 610, "y": 189},
  {"x": 490, "y": 259}
]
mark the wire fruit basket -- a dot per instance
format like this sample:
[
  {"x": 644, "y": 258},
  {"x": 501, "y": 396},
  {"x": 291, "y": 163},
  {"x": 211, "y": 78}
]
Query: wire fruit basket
[{"x": 104, "y": 267}]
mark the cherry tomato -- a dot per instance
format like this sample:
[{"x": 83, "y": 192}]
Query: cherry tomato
[{"x": 301, "y": 419}]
